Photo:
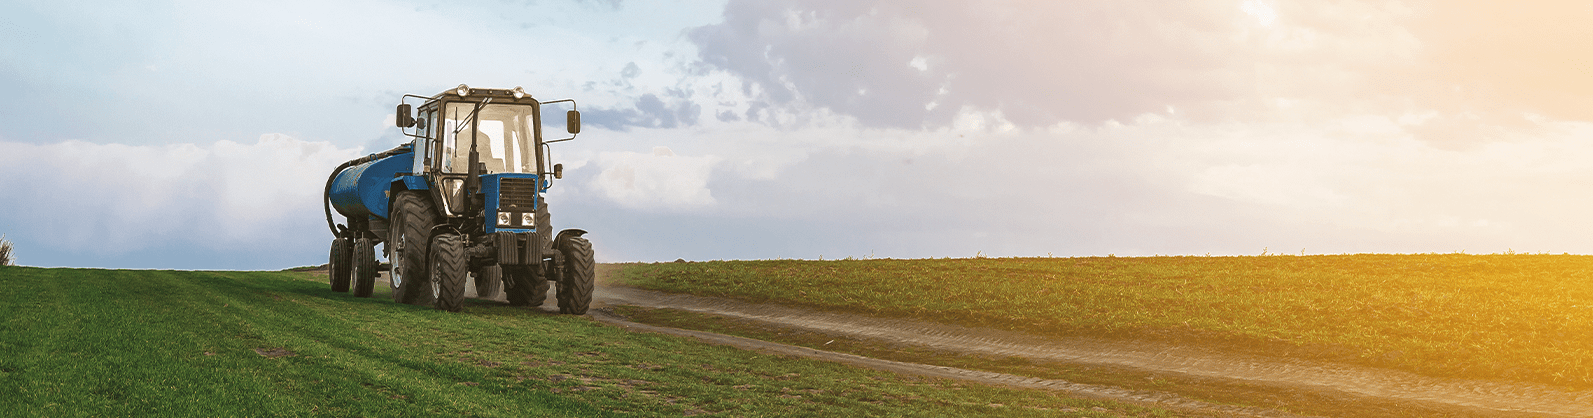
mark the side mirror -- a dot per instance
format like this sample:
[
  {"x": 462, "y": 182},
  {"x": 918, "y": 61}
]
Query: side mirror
[
  {"x": 572, "y": 119},
  {"x": 405, "y": 119},
  {"x": 558, "y": 171}
]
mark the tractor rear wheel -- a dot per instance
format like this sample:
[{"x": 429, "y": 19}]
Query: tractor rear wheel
[
  {"x": 539, "y": 292},
  {"x": 488, "y": 281},
  {"x": 527, "y": 289},
  {"x": 449, "y": 271},
  {"x": 364, "y": 267},
  {"x": 413, "y": 216},
  {"x": 575, "y": 290},
  {"x": 337, "y": 264}
]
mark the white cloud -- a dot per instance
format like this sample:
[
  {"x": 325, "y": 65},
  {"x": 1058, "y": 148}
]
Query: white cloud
[
  {"x": 655, "y": 181},
  {"x": 112, "y": 199},
  {"x": 1261, "y": 11}
]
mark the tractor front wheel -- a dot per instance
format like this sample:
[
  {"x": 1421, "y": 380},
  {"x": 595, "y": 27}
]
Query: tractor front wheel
[
  {"x": 575, "y": 290},
  {"x": 337, "y": 264},
  {"x": 449, "y": 271},
  {"x": 410, "y": 233},
  {"x": 364, "y": 267}
]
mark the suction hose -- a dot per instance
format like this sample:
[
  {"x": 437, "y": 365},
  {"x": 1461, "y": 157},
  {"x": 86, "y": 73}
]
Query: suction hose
[{"x": 326, "y": 195}]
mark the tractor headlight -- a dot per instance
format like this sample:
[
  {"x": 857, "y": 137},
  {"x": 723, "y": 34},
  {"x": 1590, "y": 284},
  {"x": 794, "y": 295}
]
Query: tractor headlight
[
  {"x": 528, "y": 220},
  {"x": 503, "y": 218},
  {"x": 519, "y": 93},
  {"x": 463, "y": 90}
]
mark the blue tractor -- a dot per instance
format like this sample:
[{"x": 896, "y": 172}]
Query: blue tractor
[{"x": 464, "y": 198}]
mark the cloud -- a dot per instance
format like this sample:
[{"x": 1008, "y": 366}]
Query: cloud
[
  {"x": 1482, "y": 56},
  {"x": 162, "y": 71},
  {"x": 659, "y": 181},
  {"x": 1153, "y": 185},
  {"x": 84, "y": 204},
  {"x": 904, "y": 64},
  {"x": 907, "y": 64},
  {"x": 648, "y": 112}
]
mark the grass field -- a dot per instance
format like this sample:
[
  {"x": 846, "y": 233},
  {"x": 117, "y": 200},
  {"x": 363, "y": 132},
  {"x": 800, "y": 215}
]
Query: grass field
[
  {"x": 1520, "y": 317},
  {"x": 77, "y": 342}
]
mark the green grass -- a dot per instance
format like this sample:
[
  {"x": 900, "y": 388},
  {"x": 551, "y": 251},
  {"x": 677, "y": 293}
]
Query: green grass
[
  {"x": 1219, "y": 391},
  {"x": 1521, "y": 317},
  {"x": 77, "y": 342}
]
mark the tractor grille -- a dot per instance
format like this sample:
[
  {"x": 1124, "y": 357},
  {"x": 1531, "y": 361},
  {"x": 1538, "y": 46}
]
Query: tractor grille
[{"x": 517, "y": 195}]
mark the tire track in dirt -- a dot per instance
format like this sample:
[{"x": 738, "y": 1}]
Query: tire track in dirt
[
  {"x": 1501, "y": 396},
  {"x": 1159, "y": 399}
]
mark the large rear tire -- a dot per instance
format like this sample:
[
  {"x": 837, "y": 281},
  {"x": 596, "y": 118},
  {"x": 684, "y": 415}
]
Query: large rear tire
[
  {"x": 413, "y": 216},
  {"x": 575, "y": 291},
  {"x": 364, "y": 267},
  {"x": 337, "y": 264},
  {"x": 449, "y": 271},
  {"x": 527, "y": 290},
  {"x": 539, "y": 292},
  {"x": 488, "y": 281}
]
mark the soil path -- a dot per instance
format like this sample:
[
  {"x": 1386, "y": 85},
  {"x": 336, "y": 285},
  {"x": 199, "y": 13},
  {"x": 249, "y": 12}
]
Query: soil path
[
  {"x": 1484, "y": 395},
  {"x": 1487, "y": 395},
  {"x": 1160, "y": 399}
]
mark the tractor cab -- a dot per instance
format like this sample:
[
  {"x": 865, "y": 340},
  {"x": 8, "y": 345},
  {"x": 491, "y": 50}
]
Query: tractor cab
[{"x": 469, "y": 140}]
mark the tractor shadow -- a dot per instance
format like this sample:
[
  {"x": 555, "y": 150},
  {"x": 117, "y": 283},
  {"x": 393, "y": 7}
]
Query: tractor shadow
[{"x": 382, "y": 293}]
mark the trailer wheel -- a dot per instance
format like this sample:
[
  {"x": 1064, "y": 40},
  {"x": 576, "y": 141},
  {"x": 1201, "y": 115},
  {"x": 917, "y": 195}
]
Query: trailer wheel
[
  {"x": 527, "y": 289},
  {"x": 575, "y": 290},
  {"x": 488, "y": 281},
  {"x": 337, "y": 266},
  {"x": 410, "y": 232},
  {"x": 364, "y": 267},
  {"x": 449, "y": 271}
]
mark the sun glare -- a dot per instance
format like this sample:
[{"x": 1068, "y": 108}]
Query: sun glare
[{"x": 1261, "y": 11}]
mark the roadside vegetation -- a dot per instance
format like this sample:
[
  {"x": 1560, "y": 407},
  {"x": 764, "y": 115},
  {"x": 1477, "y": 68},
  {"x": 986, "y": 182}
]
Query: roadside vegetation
[
  {"x": 178, "y": 343},
  {"x": 1512, "y": 316},
  {"x": 6, "y": 258}
]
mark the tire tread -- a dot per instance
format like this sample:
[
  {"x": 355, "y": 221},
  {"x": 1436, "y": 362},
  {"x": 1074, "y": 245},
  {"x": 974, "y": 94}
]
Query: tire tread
[
  {"x": 450, "y": 269},
  {"x": 337, "y": 266},
  {"x": 489, "y": 281},
  {"x": 416, "y": 215},
  {"x": 364, "y": 267},
  {"x": 575, "y": 291}
]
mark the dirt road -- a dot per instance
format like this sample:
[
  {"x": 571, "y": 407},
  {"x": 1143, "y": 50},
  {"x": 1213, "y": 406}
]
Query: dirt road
[{"x": 1480, "y": 395}]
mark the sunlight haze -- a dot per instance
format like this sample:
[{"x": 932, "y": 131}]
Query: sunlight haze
[{"x": 198, "y": 135}]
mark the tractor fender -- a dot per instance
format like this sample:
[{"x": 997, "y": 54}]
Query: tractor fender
[
  {"x": 558, "y": 241},
  {"x": 406, "y": 182},
  {"x": 441, "y": 228}
]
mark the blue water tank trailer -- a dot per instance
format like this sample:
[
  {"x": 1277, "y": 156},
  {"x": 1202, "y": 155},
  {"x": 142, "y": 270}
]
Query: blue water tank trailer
[{"x": 363, "y": 190}]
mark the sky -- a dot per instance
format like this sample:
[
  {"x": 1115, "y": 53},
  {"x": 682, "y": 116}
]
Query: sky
[{"x": 198, "y": 135}]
